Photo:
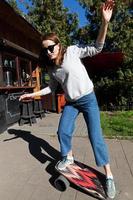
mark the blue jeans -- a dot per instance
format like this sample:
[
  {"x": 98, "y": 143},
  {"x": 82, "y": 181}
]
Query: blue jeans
[{"x": 89, "y": 107}]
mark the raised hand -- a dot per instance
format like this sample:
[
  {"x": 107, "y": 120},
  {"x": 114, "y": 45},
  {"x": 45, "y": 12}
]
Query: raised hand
[{"x": 107, "y": 9}]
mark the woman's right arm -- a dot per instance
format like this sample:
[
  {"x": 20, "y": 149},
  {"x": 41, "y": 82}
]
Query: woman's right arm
[{"x": 42, "y": 92}]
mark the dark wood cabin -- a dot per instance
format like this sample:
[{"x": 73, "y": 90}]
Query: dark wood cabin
[{"x": 19, "y": 52}]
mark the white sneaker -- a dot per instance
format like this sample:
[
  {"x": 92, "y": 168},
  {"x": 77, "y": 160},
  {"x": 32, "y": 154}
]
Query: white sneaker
[
  {"x": 110, "y": 188},
  {"x": 61, "y": 165}
]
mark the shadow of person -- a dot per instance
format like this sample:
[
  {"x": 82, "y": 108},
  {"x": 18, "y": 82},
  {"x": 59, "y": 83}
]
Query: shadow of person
[{"x": 36, "y": 146}]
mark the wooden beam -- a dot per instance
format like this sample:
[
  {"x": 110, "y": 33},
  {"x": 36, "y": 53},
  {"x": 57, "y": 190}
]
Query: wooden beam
[{"x": 7, "y": 43}]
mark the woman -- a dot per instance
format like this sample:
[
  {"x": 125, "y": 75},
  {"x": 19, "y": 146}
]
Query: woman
[{"x": 65, "y": 67}]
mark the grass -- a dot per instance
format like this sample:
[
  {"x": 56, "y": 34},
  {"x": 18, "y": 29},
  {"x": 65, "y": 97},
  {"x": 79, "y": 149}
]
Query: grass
[{"x": 117, "y": 124}]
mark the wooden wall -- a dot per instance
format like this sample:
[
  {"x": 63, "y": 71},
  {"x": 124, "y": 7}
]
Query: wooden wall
[{"x": 16, "y": 29}]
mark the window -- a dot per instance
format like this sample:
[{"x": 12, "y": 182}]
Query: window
[
  {"x": 9, "y": 70},
  {"x": 25, "y": 72},
  {"x": 17, "y": 71}
]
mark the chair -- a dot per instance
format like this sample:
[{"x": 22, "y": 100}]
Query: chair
[
  {"x": 38, "y": 110},
  {"x": 27, "y": 115}
]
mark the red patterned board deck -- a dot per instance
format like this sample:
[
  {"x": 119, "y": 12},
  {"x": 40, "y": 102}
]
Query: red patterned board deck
[{"x": 86, "y": 178}]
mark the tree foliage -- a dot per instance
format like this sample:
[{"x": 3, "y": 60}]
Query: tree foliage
[
  {"x": 119, "y": 38},
  {"x": 51, "y": 16}
]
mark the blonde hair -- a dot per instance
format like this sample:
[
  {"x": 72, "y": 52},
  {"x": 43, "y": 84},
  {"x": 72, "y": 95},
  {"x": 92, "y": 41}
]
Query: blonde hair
[{"x": 52, "y": 36}]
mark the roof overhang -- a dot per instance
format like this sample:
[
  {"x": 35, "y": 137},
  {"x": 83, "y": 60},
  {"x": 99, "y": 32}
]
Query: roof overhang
[{"x": 8, "y": 44}]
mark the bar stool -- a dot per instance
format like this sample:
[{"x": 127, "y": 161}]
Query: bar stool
[
  {"x": 27, "y": 115},
  {"x": 38, "y": 110}
]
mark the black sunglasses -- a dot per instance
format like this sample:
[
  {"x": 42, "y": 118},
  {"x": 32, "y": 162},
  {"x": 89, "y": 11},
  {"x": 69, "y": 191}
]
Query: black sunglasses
[{"x": 50, "y": 48}]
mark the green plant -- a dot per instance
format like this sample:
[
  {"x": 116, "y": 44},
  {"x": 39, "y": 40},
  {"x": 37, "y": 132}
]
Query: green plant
[{"x": 117, "y": 124}]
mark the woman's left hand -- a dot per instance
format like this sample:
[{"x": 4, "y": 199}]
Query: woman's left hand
[{"x": 107, "y": 9}]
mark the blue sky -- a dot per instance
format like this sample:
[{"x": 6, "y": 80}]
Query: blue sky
[{"x": 73, "y": 6}]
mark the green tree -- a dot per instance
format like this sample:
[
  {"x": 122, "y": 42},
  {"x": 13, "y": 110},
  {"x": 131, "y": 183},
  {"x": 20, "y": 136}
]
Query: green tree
[
  {"x": 51, "y": 16},
  {"x": 119, "y": 38}
]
